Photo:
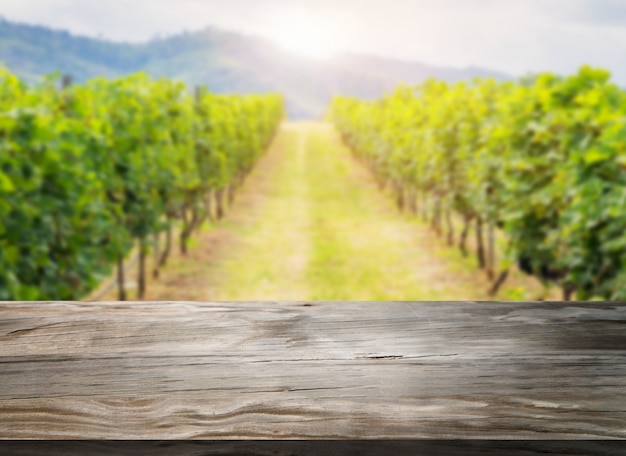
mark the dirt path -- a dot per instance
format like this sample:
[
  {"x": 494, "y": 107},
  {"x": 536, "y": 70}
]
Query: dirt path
[{"x": 310, "y": 224}]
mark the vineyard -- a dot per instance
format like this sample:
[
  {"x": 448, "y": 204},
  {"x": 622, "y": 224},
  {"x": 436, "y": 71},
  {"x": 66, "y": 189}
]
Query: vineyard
[
  {"x": 90, "y": 172},
  {"x": 527, "y": 176},
  {"x": 542, "y": 161}
]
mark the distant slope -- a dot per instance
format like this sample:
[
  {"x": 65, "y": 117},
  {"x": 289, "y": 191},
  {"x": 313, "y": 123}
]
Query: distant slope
[{"x": 226, "y": 62}]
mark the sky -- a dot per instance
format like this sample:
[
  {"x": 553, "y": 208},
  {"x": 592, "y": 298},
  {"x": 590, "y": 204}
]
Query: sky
[{"x": 512, "y": 36}]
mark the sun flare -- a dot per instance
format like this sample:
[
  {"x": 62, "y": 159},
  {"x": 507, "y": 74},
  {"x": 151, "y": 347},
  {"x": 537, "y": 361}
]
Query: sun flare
[{"x": 306, "y": 36}]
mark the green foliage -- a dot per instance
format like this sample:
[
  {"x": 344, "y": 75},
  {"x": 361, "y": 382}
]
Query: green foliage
[
  {"x": 86, "y": 171},
  {"x": 544, "y": 159}
]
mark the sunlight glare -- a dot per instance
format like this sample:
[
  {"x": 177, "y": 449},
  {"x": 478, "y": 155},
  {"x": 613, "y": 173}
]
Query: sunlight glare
[{"x": 306, "y": 36}]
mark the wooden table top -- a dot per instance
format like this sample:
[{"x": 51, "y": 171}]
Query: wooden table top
[{"x": 393, "y": 370}]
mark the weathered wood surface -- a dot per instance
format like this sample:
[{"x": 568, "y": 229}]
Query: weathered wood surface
[{"x": 319, "y": 370}]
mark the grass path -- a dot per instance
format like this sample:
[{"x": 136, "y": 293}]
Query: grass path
[{"x": 310, "y": 224}]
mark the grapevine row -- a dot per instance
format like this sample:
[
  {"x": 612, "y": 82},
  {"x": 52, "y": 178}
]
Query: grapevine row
[
  {"x": 543, "y": 160},
  {"x": 92, "y": 170}
]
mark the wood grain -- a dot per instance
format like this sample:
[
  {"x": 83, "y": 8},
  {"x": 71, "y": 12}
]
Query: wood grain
[{"x": 312, "y": 370}]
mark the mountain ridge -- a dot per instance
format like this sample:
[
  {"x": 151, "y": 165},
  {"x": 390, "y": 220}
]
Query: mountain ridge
[{"x": 227, "y": 62}]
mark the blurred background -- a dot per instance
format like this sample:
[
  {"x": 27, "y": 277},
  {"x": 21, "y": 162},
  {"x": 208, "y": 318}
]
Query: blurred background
[
  {"x": 310, "y": 50},
  {"x": 310, "y": 222}
]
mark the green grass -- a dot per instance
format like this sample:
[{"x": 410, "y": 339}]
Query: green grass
[
  {"x": 325, "y": 232},
  {"x": 271, "y": 250}
]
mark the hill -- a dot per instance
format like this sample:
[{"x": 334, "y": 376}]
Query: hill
[{"x": 226, "y": 62}]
